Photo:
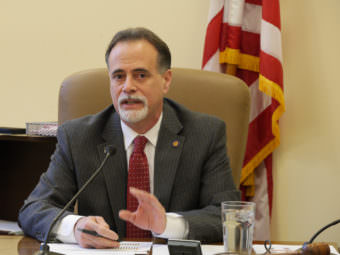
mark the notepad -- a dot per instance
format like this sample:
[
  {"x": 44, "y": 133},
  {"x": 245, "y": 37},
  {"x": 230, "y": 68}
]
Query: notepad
[{"x": 126, "y": 248}]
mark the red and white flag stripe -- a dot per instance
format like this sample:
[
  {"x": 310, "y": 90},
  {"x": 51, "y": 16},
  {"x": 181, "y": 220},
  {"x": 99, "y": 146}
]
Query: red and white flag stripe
[{"x": 244, "y": 38}]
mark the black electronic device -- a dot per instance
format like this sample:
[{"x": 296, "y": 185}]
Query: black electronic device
[{"x": 184, "y": 247}]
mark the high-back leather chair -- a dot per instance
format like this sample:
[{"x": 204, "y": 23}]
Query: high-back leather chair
[{"x": 222, "y": 95}]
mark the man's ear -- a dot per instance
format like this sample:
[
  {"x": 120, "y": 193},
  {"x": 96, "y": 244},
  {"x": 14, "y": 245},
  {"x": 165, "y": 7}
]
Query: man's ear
[{"x": 167, "y": 78}]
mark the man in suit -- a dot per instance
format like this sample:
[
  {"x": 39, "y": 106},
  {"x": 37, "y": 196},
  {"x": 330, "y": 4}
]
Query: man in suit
[{"x": 188, "y": 172}]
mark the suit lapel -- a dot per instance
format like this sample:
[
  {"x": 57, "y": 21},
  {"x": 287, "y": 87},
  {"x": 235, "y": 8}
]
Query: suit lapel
[
  {"x": 115, "y": 170},
  {"x": 168, "y": 151}
]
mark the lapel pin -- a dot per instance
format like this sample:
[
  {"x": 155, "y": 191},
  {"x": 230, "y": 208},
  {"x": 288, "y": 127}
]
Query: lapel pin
[{"x": 175, "y": 143}]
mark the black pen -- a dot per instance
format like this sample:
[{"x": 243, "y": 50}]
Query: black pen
[{"x": 90, "y": 232}]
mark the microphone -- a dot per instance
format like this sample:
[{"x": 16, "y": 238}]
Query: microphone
[{"x": 44, "y": 248}]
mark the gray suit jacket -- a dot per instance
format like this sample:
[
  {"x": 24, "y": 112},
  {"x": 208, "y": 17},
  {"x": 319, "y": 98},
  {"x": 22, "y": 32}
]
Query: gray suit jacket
[{"x": 190, "y": 179}]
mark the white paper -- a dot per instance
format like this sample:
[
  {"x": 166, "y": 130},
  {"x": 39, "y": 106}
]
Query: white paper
[
  {"x": 11, "y": 226},
  {"x": 131, "y": 248},
  {"x": 126, "y": 248},
  {"x": 277, "y": 248},
  {"x": 158, "y": 249},
  {"x": 212, "y": 249}
]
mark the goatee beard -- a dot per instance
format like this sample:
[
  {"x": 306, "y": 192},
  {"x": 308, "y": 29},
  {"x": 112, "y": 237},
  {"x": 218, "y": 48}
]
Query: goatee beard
[{"x": 132, "y": 116}]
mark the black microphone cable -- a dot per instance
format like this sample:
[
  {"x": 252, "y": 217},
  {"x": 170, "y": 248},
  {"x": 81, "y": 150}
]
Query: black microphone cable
[
  {"x": 323, "y": 229},
  {"x": 268, "y": 244}
]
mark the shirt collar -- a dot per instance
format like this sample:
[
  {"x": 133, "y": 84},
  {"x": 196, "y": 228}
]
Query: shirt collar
[{"x": 152, "y": 134}]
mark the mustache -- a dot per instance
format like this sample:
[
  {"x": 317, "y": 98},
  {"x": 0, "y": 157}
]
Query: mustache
[{"x": 124, "y": 97}]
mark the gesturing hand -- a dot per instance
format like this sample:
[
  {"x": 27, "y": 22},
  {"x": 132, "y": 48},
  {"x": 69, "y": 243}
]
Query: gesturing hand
[
  {"x": 108, "y": 238},
  {"x": 150, "y": 214}
]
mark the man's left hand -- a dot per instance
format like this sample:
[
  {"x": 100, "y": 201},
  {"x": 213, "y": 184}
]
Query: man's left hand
[{"x": 150, "y": 214}]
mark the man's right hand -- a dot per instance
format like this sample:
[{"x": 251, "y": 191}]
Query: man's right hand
[{"x": 95, "y": 223}]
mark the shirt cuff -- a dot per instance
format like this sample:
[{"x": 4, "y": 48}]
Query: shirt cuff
[
  {"x": 176, "y": 227},
  {"x": 64, "y": 230}
]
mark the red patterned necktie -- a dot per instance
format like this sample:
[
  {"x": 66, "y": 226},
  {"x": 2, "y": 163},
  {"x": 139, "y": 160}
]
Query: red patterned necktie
[{"x": 138, "y": 177}]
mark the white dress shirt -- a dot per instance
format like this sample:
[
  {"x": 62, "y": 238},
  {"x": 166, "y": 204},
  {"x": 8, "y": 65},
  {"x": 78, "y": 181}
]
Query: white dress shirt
[{"x": 176, "y": 225}]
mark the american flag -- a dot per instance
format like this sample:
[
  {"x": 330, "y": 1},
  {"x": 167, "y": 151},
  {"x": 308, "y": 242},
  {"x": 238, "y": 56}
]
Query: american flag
[{"x": 243, "y": 38}]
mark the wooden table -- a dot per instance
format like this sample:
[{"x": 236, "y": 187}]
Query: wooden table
[
  {"x": 14, "y": 245},
  {"x": 23, "y": 245}
]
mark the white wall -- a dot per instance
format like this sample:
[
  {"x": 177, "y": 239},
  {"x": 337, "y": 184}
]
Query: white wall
[
  {"x": 307, "y": 164},
  {"x": 42, "y": 41}
]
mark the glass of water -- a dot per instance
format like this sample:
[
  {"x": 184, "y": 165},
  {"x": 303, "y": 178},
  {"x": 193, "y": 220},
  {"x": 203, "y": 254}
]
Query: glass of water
[{"x": 238, "y": 219}]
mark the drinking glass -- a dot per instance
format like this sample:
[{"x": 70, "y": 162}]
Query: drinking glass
[{"x": 238, "y": 219}]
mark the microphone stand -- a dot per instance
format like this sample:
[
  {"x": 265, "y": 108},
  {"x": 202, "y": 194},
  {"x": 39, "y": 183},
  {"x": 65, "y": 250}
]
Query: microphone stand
[{"x": 44, "y": 248}]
